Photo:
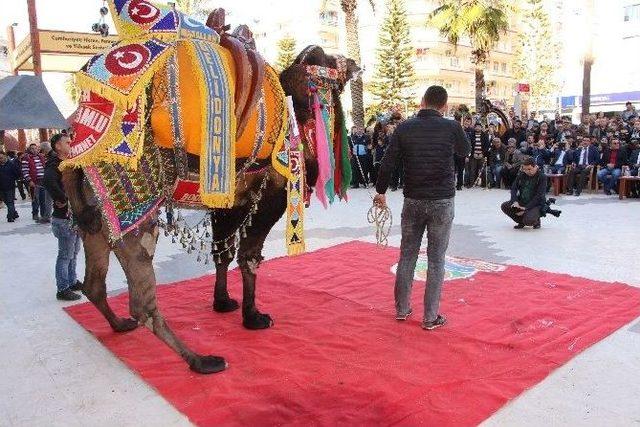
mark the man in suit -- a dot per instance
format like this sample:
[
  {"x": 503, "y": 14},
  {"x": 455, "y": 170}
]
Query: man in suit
[
  {"x": 497, "y": 156},
  {"x": 584, "y": 160},
  {"x": 613, "y": 159},
  {"x": 479, "y": 152},
  {"x": 561, "y": 157}
]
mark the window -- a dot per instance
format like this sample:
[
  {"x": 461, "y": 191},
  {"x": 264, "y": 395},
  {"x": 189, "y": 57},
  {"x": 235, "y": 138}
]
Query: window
[
  {"x": 421, "y": 53},
  {"x": 454, "y": 61},
  {"x": 496, "y": 67},
  {"x": 504, "y": 68},
  {"x": 632, "y": 13},
  {"x": 329, "y": 17}
]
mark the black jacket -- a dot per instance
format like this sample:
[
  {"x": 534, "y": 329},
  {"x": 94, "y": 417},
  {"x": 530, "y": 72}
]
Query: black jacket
[
  {"x": 9, "y": 173},
  {"x": 520, "y": 135},
  {"x": 621, "y": 158},
  {"x": 425, "y": 145},
  {"x": 497, "y": 155},
  {"x": 53, "y": 183},
  {"x": 539, "y": 196}
]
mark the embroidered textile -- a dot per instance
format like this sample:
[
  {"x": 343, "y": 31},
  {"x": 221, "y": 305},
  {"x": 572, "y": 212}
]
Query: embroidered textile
[
  {"x": 217, "y": 156},
  {"x": 127, "y": 197},
  {"x": 137, "y": 18},
  {"x": 122, "y": 73}
]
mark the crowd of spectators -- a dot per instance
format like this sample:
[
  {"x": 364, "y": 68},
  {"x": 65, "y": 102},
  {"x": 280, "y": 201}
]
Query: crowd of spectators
[{"x": 603, "y": 148}]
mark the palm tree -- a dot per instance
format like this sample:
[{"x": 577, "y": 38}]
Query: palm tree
[
  {"x": 349, "y": 7},
  {"x": 481, "y": 21}
]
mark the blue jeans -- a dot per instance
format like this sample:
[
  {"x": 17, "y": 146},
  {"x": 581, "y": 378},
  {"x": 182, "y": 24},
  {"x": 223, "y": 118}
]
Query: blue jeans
[
  {"x": 496, "y": 174},
  {"x": 609, "y": 177},
  {"x": 7, "y": 197},
  {"x": 68, "y": 248},
  {"x": 41, "y": 202},
  {"x": 436, "y": 216}
]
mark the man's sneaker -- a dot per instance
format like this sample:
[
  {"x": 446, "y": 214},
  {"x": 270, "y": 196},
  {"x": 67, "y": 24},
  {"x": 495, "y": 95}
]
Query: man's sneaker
[
  {"x": 67, "y": 295},
  {"x": 36, "y": 218},
  {"x": 536, "y": 226},
  {"x": 402, "y": 317},
  {"x": 11, "y": 220},
  {"x": 76, "y": 287},
  {"x": 440, "y": 321},
  {"x": 518, "y": 226}
]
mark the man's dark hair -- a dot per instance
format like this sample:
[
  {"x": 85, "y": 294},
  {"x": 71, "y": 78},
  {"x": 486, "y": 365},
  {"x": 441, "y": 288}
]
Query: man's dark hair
[
  {"x": 435, "y": 97},
  {"x": 518, "y": 121},
  {"x": 528, "y": 161},
  {"x": 55, "y": 139}
]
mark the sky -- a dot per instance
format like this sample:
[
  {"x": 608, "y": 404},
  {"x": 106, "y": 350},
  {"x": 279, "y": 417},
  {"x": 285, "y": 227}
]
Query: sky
[{"x": 79, "y": 15}]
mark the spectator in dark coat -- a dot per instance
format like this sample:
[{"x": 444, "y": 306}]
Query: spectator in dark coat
[
  {"x": 528, "y": 196},
  {"x": 9, "y": 174}
]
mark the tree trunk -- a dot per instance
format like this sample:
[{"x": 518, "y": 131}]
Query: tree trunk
[
  {"x": 353, "y": 51},
  {"x": 480, "y": 87},
  {"x": 588, "y": 62},
  {"x": 586, "y": 85}
]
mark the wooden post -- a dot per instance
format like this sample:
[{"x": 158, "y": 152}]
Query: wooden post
[
  {"x": 11, "y": 46},
  {"x": 35, "y": 48}
]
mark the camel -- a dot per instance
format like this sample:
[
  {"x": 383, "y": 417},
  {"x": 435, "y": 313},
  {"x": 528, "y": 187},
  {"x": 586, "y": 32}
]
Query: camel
[{"x": 136, "y": 251}]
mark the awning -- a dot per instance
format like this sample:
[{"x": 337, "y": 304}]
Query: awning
[
  {"x": 10, "y": 142},
  {"x": 25, "y": 103}
]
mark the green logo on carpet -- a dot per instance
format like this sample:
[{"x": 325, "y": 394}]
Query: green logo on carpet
[{"x": 454, "y": 267}]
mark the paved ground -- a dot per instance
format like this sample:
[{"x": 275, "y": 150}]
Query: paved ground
[{"x": 52, "y": 372}]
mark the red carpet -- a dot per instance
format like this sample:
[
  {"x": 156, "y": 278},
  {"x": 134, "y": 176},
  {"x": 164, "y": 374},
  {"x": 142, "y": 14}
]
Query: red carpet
[{"x": 336, "y": 356}]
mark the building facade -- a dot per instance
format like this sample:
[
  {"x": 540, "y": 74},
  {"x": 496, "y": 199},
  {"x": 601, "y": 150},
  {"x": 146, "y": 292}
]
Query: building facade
[
  {"x": 615, "y": 75},
  {"x": 439, "y": 62}
]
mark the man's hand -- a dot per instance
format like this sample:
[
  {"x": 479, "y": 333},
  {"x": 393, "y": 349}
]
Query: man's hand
[
  {"x": 516, "y": 205},
  {"x": 32, "y": 184},
  {"x": 520, "y": 213},
  {"x": 380, "y": 200},
  {"x": 466, "y": 160},
  {"x": 610, "y": 165}
]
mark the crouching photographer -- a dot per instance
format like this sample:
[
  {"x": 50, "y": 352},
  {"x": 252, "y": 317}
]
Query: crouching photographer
[{"x": 528, "y": 196}]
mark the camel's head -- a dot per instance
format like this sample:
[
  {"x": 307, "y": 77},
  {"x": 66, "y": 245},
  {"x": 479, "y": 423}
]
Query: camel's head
[{"x": 301, "y": 81}]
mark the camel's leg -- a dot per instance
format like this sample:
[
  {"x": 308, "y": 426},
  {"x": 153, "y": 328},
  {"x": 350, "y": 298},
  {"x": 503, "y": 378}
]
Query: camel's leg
[
  {"x": 223, "y": 225},
  {"x": 96, "y": 253},
  {"x": 135, "y": 256},
  {"x": 270, "y": 209}
]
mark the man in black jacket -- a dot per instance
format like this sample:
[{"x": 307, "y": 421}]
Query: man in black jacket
[
  {"x": 425, "y": 146},
  {"x": 528, "y": 196},
  {"x": 9, "y": 174},
  {"x": 68, "y": 239}
]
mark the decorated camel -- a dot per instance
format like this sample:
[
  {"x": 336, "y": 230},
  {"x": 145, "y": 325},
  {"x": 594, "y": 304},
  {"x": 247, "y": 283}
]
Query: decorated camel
[{"x": 188, "y": 115}]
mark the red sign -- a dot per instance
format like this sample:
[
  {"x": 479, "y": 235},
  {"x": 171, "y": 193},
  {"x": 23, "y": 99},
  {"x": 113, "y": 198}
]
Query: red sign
[
  {"x": 523, "y": 87},
  {"x": 187, "y": 193},
  {"x": 92, "y": 119}
]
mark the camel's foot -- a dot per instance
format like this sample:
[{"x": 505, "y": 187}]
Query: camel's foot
[
  {"x": 208, "y": 364},
  {"x": 257, "y": 320},
  {"x": 225, "y": 305},
  {"x": 124, "y": 325}
]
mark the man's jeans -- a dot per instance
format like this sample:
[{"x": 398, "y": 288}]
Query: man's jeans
[
  {"x": 68, "y": 248},
  {"x": 496, "y": 174},
  {"x": 609, "y": 177},
  {"x": 8, "y": 198},
  {"x": 436, "y": 216},
  {"x": 41, "y": 202}
]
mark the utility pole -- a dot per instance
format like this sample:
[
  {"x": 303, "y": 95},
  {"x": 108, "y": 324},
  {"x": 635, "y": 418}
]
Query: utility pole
[
  {"x": 11, "y": 47},
  {"x": 588, "y": 61},
  {"x": 35, "y": 49}
]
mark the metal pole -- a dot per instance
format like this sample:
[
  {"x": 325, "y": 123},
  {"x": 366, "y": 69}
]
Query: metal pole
[
  {"x": 35, "y": 49},
  {"x": 11, "y": 47}
]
